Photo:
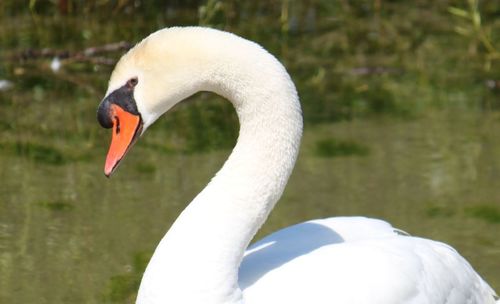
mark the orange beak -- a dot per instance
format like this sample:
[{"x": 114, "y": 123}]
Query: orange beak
[{"x": 126, "y": 129}]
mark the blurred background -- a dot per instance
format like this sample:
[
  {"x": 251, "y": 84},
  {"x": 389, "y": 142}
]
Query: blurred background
[{"x": 401, "y": 102}]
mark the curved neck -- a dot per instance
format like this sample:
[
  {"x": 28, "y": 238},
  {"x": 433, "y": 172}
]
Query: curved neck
[{"x": 197, "y": 260}]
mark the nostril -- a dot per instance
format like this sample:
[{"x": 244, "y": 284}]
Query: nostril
[{"x": 117, "y": 122}]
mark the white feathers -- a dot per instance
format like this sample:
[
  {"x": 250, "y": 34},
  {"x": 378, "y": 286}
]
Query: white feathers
[
  {"x": 356, "y": 260},
  {"x": 336, "y": 260}
]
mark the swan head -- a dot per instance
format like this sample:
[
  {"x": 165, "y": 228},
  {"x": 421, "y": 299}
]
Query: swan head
[{"x": 151, "y": 78}]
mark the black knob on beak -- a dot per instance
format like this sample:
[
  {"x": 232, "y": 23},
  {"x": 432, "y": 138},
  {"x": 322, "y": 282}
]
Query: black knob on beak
[
  {"x": 122, "y": 97},
  {"x": 104, "y": 114}
]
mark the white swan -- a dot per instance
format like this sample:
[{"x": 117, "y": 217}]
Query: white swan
[{"x": 202, "y": 258}]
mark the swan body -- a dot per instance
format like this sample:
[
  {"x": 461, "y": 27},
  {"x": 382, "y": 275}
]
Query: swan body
[
  {"x": 356, "y": 260},
  {"x": 203, "y": 258}
]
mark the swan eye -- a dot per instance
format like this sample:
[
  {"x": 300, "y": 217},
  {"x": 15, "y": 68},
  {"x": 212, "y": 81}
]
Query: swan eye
[{"x": 132, "y": 82}]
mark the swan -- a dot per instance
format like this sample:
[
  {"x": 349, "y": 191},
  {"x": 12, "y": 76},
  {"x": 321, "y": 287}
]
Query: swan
[{"x": 203, "y": 258}]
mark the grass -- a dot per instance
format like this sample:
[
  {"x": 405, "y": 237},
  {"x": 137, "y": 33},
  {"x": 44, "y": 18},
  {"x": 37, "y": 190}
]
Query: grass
[{"x": 354, "y": 60}]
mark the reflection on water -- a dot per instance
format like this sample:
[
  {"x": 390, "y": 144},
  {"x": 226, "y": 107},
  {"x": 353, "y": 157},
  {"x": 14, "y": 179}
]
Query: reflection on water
[{"x": 66, "y": 230}]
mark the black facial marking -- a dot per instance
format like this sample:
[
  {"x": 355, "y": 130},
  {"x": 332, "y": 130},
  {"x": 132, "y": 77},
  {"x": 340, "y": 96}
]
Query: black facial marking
[{"x": 123, "y": 97}]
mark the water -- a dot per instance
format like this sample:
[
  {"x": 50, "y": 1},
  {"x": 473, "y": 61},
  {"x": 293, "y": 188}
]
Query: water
[
  {"x": 390, "y": 133},
  {"x": 67, "y": 230}
]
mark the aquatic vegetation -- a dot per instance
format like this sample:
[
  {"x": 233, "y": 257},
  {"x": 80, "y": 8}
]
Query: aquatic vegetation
[
  {"x": 5, "y": 125},
  {"x": 488, "y": 213},
  {"x": 439, "y": 211},
  {"x": 333, "y": 148},
  {"x": 145, "y": 168},
  {"x": 44, "y": 153},
  {"x": 122, "y": 288},
  {"x": 37, "y": 152},
  {"x": 56, "y": 205}
]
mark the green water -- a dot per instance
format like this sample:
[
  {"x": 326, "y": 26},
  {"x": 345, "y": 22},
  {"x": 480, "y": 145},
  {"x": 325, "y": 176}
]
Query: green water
[{"x": 401, "y": 123}]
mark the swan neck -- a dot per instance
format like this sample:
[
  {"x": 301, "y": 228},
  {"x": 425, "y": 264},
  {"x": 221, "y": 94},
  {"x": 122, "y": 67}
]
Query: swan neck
[{"x": 200, "y": 255}]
